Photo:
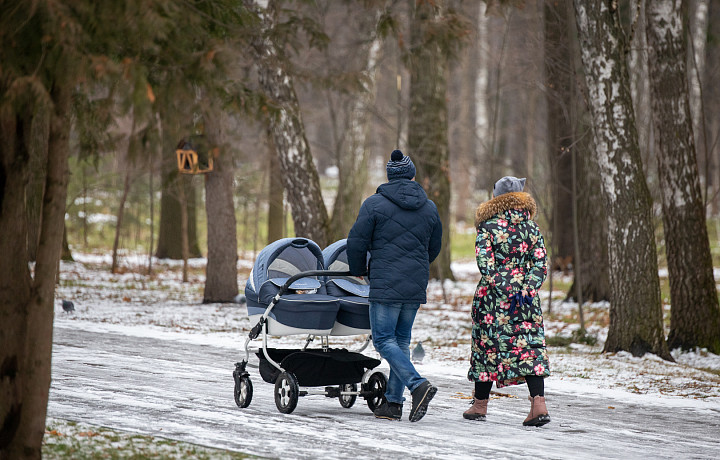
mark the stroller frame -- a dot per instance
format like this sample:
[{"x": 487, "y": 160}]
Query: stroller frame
[{"x": 287, "y": 388}]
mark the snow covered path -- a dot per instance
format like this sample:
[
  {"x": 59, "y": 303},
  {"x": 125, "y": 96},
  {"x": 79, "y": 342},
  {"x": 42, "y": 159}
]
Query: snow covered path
[{"x": 183, "y": 390}]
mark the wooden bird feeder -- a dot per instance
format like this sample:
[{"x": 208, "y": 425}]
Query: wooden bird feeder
[{"x": 191, "y": 159}]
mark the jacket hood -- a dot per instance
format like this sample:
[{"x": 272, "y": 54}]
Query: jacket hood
[
  {"x": 505, "y": 202},
  {"x": 405, "y": 193}
]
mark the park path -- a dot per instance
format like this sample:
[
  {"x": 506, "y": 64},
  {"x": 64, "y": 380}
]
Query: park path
[{"x": 184, "y": 391}]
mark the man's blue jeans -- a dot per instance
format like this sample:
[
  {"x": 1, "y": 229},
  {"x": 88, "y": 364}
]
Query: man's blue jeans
[{"x": 391, "y": 326}]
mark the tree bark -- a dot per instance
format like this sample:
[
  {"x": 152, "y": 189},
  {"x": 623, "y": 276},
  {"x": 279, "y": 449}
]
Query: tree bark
[
  {"x": 462, "y": 100},
  {"x": 695, "y": 314},
  {"x": 711, "y": 109},
  {"x": 559, "y": 83},
  {"x": 592, "y": 264},
  {"x": 697, "y": 32},
  {"x": 221, "y": 271},
  {"x": 27, "y": 303},
  {"x": 169, "y": 245},
  {"x": 636, "y": 322},
  {"x": 428, "y": 123},
  {"x": 276, "y": 196},
  {"x": 123, "y": 199},
  {"x": 66, "y": 254},
  {"x": 352, "y": 161},
  {"x": 639, "y": 84},
  {"x": 300, "y": 177},
  {"x": 592, "y": 227},
  {"x": 15, "y": 277}
]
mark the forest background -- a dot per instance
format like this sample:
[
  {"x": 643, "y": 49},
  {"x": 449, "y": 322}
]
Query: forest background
[{"x": 606, "y": 107}]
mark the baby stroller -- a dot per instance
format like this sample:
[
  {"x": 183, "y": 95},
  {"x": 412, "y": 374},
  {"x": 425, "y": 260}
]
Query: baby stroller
[{"x": 289, "y": 292}]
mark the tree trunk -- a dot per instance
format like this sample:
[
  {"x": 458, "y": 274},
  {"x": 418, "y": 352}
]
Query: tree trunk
[
  {"x": 592, "y": 264},
  {"x": 184, "y": 240},
  {"x": 300, "y": 177},
  {"x": 462, "y": 139},
  {"x": 66, "y": 254},
  {"x": 695, "y": 314},
  {"x": 639, "y": 84},
  {"x": 697, "y": 32},
  {"x": 711, "y": 109},
  {"x": 592, "y": 228},
  {"x": 119, "y": 220},
  {"x": 559, "y": 84},
  {"x": 352, "y": 161},
  {"x": 15, "y": 278},
  {"x": 428, "y": 124},
  {"x": 221, "y": 271},
  {"x": 276, "y": 197},
  {"x": 27, "y": 304},
  {"x": 169, "y": 245},
  {"x": 636, "y": 322}
]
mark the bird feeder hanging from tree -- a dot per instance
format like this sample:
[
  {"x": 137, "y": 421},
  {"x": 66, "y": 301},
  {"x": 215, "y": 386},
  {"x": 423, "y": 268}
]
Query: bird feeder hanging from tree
[{"x": 192, "y": 158}]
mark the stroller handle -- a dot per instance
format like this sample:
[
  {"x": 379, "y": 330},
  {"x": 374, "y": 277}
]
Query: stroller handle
[{"x": 297, "y": 276}]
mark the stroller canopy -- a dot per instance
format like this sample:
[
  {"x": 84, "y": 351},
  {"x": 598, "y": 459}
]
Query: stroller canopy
[
  {"x": 335, "y": 257},
  {"x": 284, "y": 258}
]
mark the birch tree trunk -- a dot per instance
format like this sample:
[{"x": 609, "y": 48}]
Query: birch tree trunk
[
  {"x": 428, "y": 123},
  {"x": 300, "y": 176},
  {"x": 221, "y": 271},
  {"x": 636, "y": 311},
  {"x": 695, "y": 314}
]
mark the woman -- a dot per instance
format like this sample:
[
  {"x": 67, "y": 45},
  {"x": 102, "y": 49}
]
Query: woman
[{"x": 508, "y": 338}]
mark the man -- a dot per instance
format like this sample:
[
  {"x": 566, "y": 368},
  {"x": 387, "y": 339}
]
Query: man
[{"x": 401, "y": 228}]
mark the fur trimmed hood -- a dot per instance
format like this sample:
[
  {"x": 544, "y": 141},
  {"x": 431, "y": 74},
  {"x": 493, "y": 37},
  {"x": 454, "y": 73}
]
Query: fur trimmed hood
[{"x": 505, "y": 202}]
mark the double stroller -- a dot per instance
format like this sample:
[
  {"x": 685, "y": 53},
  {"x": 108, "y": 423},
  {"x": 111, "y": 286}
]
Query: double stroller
[{"x": 297, "y": 288}]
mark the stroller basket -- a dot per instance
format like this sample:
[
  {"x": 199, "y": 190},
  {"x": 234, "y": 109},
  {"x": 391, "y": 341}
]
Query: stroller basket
[{"x": 336, "y": 366}]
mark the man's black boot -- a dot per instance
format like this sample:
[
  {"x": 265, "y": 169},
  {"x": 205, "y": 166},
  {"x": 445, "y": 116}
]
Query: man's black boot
[
  {"x": 389, "y": 411},
  {"x": 421, "y": 397}
]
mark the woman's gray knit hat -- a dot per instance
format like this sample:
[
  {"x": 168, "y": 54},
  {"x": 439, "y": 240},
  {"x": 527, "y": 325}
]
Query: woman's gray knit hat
[
  {"x": 508, "y": 184},
  {"x": 400, "y": 166}
]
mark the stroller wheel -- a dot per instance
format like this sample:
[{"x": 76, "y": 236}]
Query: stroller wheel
[
  {"x": 286, "y": 392},
  {"x": 347, "y": 401},
  {"x": 243, "y": 391},
  {"x": 376, "y": 384}
]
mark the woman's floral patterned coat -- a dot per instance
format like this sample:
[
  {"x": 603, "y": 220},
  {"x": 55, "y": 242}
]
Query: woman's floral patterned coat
[{"x": 508, "y": 343}]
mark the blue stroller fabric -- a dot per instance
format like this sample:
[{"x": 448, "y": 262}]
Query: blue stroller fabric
[
  {"x": 351, "y": 291},
  {"x": 276, "y": 263}
]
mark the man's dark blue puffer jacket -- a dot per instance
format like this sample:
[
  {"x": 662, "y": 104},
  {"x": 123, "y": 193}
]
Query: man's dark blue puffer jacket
[{"x": 401, "y": 228}]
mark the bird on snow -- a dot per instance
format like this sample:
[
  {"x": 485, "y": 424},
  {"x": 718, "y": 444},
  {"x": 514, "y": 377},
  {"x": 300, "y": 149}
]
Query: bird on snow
[
  {"x": 68, "y": 306},
  {"x": 418, "y": 353}
]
